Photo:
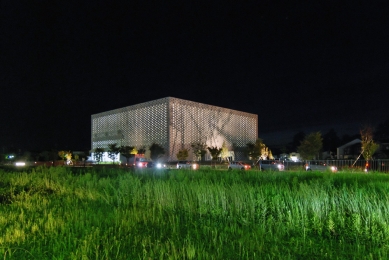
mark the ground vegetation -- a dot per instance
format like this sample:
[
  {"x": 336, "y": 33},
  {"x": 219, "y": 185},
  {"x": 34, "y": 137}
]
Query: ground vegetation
[{"x": 108, "y": 213}]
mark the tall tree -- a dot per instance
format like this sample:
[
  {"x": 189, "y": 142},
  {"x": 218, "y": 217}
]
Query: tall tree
[
  {"x": 251, "y": 152},
  {"x": 382, "y": 131},
  {"x": 310, "y": 146},
  {"x": 382, "y": 136},
  {"x": 369, "y": 147},
  {"x": 85, "y": 155},
  {"x": 224, "y": 152},
  {"x": 297, "y": 139},
  {"x": 257, "y": 151},
  {"x": 214, "y": 151},
  {"x": 331, "y": 141},
  {"x": 62, "y": 154},
  {"x": 126, "y": 150},
  {"x": 199, "y": 149},
  {"x": 156, "y": 151},
  {"x": 66, "y": 156},
  {"x": 76, "y": 158},
  {"x": 271, "y": 157},
  {"x": 142, "y": 150},
  {"x": 134, "y": 151},
  {"x": 99, "y": 154},
  {"x": 44, "y": 156},
  {"x": 113, "y": 151},
  {"x": 182, "y": 154}
]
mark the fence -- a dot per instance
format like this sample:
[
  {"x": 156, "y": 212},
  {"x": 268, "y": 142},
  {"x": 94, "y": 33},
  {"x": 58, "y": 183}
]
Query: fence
[{"x": 380, "y": 165}]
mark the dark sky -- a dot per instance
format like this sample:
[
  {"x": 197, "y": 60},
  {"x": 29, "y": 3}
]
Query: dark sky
[{"x": 300, "y": 66}]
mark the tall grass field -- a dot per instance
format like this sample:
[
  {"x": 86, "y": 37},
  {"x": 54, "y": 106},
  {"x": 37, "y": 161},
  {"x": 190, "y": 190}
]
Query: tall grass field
[{"x": 108, "y": 213}]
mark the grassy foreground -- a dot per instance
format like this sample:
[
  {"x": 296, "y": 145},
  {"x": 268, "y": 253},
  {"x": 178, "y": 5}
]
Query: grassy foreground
[{"x": 64, "y": 213}]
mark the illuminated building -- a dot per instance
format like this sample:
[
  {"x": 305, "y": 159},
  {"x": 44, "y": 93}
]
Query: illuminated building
[{"x": 174, "y": 124}]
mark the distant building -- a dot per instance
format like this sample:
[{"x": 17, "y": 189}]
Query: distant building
[
  {"x": 351, "y": 150},
  {"x": 174, "y": 124},
  {"x": 383, "y": 150},
  {"x": 294, "y": 156}
]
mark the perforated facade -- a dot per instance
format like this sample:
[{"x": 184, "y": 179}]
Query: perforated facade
[{"x": 175, "y": 124}]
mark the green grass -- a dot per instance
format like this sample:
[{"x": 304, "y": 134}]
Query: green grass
[{"x": 107, "y": 213}]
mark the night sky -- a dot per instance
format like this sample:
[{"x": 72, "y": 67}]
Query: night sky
[{"x": 306, "y": 66}]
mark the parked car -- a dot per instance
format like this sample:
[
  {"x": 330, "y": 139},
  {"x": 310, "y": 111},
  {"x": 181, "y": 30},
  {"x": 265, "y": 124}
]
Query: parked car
[
  {"x": 156, "y": 165},
  {"x": 271, "y": 165},
  {"x": 160, "y": 165},
  {"x": 320, "y": 166},
  {"x": 238, "y": 165},
  {"x": 142, "y": 162},
  {"x": 187, "y": 165}
]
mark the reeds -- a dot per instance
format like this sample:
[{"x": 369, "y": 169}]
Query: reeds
[{"x": 64, "y": 213}]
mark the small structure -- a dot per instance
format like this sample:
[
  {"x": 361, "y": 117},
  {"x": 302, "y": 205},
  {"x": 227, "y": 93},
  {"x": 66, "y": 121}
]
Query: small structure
[
  {"x": 294, "y": 156},
  {"x": 350, "y": 150}
]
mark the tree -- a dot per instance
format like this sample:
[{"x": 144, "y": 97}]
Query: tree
[
  {"x": 215, "y": 152},
  {"x": 257, "y": 151},
  {"x": 44, "y": 156},
  {"x": 382, "y": 131},
  {"x": 99, "y": 154},
  {"x": 76, "y": 158},
  {"x": 239, "y": 149},
  {"x": 264, "y": 152},
  {"x": 271, "y": 157},
  {"x": 61, "y": 154},
  {"x": 199, "y": 150},
  {"x": 86, "y": 155},
  {"x": 134, "y": 151},
  {"x": 126, "y": 150},
  {"x": 156, "y": 151},
  {"x": 369, "y": 147},
  {"x": 142, "y": 150},
  {"x": 310, "y": 146},
  {"x": 251, "y": 152},
  {"x": 297, "y": 139},
  {"x": 331, "y": 141},
  {"x": 113, "y": 151},
  {"x": 382, "y": 136},
  {"x": 66, "y": 156},
  {"x": 182, "y": 154},
  {"x": 224, "y": 151}
]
